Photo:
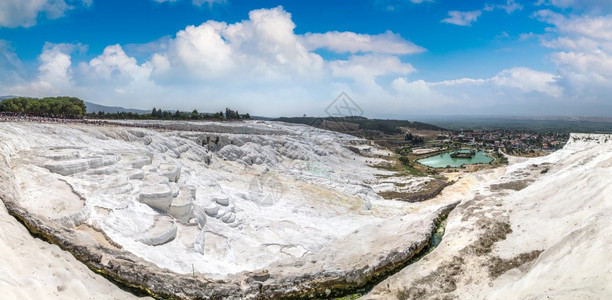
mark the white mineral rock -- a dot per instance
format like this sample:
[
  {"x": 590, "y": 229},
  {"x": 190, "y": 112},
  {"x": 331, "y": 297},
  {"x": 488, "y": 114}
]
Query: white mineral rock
[{"x": 157, "y": 196}]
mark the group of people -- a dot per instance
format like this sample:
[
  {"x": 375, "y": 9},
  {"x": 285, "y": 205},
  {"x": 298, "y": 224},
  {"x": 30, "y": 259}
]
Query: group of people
[{"x": 19, "y": 117}]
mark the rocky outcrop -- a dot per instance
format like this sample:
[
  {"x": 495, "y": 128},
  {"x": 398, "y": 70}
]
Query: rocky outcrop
[
  {"x": 157, "y": 196},
  {"x": 73, "y": 166},
  {"x": 172, "y": 172},
  {"x": 75, "y": 219},
  {"x": 422, "y": 196},
  {"x": 68, "y": 167},
  {"x": 163, "y": 230},
  {"x": 182, "y": 205}
]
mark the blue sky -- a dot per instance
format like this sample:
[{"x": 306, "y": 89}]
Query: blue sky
[{"x": 394, "y": 58}]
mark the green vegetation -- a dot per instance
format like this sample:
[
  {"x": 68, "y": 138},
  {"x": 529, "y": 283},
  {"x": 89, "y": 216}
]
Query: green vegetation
[
  {"x": 403, "y": 150},
  {"x": 384, "y": 126},
  {"x": 61, "y": 106},
  {"x": 158, "y": 114},
  {"x": 405, "y": 167},
  {"x": 120, "y": 116},
  {"x": 75, "y": 107},
  {"x": 405, "y": 161},
  {"x": 414, "y": 138},
  {"x": 430, "y": 190},
  {"x": 502, "y": 159}
]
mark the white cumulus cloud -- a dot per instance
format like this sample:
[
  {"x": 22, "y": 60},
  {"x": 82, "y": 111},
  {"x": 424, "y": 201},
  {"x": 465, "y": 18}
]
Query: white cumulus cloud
[
  {"x": 260, "y": 59},
  {"x": 520, "y": 79},
  {"x": 599, "y": 6},
  {"x": 584, "y": 52},
  {"x": 196, "y": 2},
  {"x": 262, "y": 66},
  {"x": 54, "y": 73},
  {"x": 11, "y": 67},
  {"x": 527, "y": 80},
  {"x": 419, "y": 93},
  {"x": 262, "y": 48},
  {"x": 364, "y": 69},
  {"x": 510, "y": 6},
  {"x": 115, "y": 65},
  {"x": 462, "y": 18},
  {"x": 23, "y": 13},
  {"x": 343, "y": 42}
]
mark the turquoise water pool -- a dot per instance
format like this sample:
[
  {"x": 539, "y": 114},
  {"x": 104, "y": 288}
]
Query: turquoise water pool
[{"x": 444, "y": 160}]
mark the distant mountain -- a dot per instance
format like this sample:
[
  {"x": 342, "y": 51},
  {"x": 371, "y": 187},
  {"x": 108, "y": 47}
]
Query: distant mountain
[
  {"x": 94, "y": 108},
  {"x": 6, "y": 97},
  {"x": 262, "y": 118},
  {"x": 354, "y": 124}
]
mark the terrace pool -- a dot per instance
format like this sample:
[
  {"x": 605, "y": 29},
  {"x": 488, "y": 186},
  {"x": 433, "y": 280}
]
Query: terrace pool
[{"x": 445, "y": 160}]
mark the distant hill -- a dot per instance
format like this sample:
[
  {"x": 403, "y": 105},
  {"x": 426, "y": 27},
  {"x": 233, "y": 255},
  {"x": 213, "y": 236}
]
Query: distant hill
[
  {"x": 7, "y": 97},
  {"x": 262, "y": 118},
  {"x": 356, "y": 124},
  {"x": 523, "y": 123},
  {"x": 94, "y": 108}
]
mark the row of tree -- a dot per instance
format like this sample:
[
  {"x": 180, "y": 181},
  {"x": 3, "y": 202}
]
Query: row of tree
[
  {"x": 414, "y": 138},
  {"x": 234, "y": 115},
  {"x": 64, "y": 106},
  {"x": 179, "y": 115},
  {"x": 158, "y": 114},
  {"x": 385, "y": 126},
  {"x": 75, "y": 107}
]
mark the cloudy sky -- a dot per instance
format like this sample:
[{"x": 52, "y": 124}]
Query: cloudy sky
[{"x": 394, "y": 58}]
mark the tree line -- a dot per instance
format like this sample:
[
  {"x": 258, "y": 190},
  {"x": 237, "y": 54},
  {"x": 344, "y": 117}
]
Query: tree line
[
  {"x": 385, "y": 126},
  {"x": 159, "y": 114},
  {"x": 59, "y": 106},
  {"x": 75, "y": 107}
]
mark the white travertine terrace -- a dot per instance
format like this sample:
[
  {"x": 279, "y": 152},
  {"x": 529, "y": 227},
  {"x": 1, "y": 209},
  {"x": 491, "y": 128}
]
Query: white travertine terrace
[
  {"x": 200, "y": 198},
  {"x": 558, "y": 204},
  {"x": 182, "y": 199}
]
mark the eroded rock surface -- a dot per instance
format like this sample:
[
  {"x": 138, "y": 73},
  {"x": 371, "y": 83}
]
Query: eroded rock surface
[
  {"x": 236, "y": 211},
  {"x": 541, "y": 230}
]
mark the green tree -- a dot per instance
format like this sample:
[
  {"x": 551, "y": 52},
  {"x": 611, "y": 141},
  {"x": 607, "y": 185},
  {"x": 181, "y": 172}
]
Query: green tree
[
  {"x": 49, "y": 105},
  {"x": 195, "y": 115}
]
